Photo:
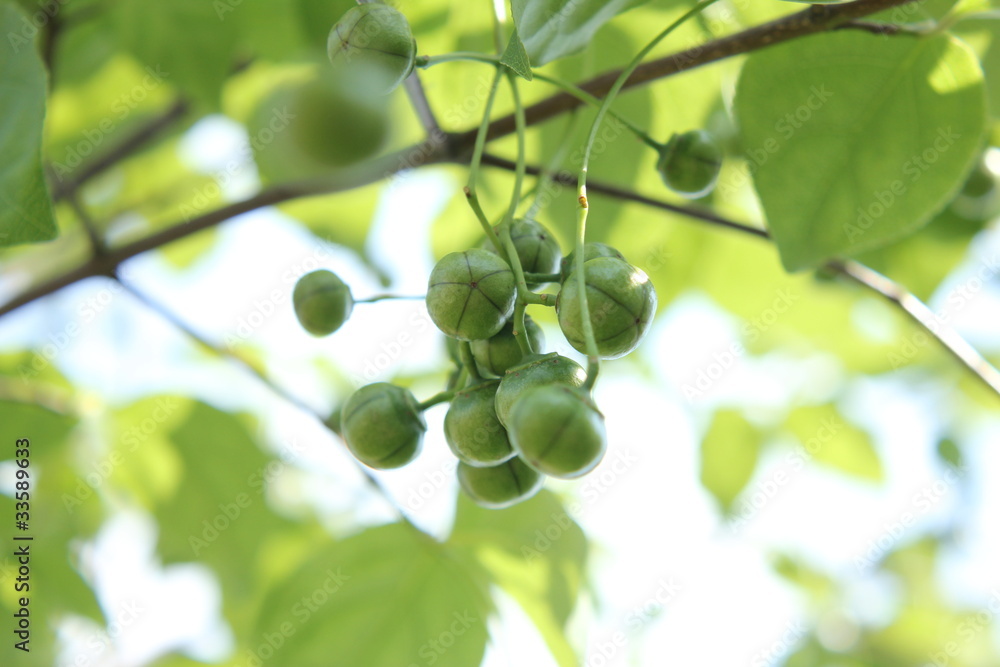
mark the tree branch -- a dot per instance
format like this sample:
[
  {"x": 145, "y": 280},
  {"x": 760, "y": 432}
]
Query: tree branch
[
  {"x": 817, "y": 18},
  {"x": 142, "y": 136}
]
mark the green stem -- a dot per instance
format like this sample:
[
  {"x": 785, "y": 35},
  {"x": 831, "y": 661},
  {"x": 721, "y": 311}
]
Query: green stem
[
  {"x": 465, "y": 352},
  {"x": 520, "y": 332},
  {"x": 442, "y": 397},
  {"x": 477, "y": 157},
  {"x": 387, "y": 297},
  {"x": 542, "y": 277},
  {"x": 593, "y": 358}
]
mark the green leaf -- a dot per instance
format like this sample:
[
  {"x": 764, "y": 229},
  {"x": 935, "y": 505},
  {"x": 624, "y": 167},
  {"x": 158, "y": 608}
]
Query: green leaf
[
  {"x": 25, "y": 206},
  {"x": 551, "y": 29},
  {"x": 536, "y": 553},
  {"x": 186, "y": 42},
  {"x": 850, "y": 152},
  {"x": 516, "y": 58},
  {"x": 828, "y": 438},
  {"x": 729, "y": 454},
  {"x": 387, "y": 596}
]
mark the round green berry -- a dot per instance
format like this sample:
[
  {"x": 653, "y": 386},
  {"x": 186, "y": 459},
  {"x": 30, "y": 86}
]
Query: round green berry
[
  {"x": 382, "y": 425},
  {"x": 472, "y": 429},
  {"x": 558, "y": 431},
  {"x": 537, "y": 249},
  {"x": 377, "y": 35},
  {"x": 534, "y": 371},
  {"x": 499, "y": 486},
  {"x": 471, "y": 294},
  {"x": 322, "y": 302},
  {"x": 590, "y": 251},
  {"x": 495, "y": 355},
  {"x": 690, "y": 163},
  {"x": 338, "y": 120},
  {"x": 621, "y": 301}
]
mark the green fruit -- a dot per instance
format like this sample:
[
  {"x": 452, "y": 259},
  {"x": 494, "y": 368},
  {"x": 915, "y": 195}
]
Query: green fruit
[
  {"x": 690, "y": 163},
  {"x": 471, "y": 294},
  {"x": 558, "y": 431},
  {"x": 383, "y": 426},
  {"x": 339, "y": 120},
  {"x": 537, "y": 249},
  {"x": 621, "y": 301},
  {"x": 535, "y": 371},
  {"x": 495, "y": 355},
  {"x": 374, "y": 34},
  {"x": 499, "y": 486},
  {"x": 322, "y": 302},
  {"x": 590, "y": 251},
  {"x": 471, "y": 427}
]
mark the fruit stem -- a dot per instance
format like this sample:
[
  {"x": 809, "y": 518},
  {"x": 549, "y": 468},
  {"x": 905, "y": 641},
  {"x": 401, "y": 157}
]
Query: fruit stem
[
  {"x": 386, "y": 297},
  {"x": 474, "y": 56},
  {"x": 520, "y": 333},
  {"x": 542, "y": 277},
  {"x": 593, "y": 358},
  {"x": 442, "y": 397},
  {"x": 465, "y": 352},
  {"x": 477, "y": 157}
]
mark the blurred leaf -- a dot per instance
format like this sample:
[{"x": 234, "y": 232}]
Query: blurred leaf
[
  {"x": 551, "y": 29},
  {"x": 387, "y": 596},
  {"x": 25, "y": 206},
  {"x": 729, "y": 454},
  {"x": 913, "y": 125},
  {"x": 187, "y": 42},
  {"x": 536, "y": 553},
  {"x": 829, "y": 439},
  {"x": 949, "y": 452}
]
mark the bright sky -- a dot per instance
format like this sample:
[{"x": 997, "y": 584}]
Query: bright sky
[{"x": 667, "y": 571}]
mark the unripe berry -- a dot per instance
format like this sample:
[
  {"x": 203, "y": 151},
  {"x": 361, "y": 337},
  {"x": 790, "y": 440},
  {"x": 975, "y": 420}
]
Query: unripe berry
[
  {"x": 499, "y": 486},
  {"x": 590, "y": 251},
  {"x": 537, "y": 249},
  {"x": 339, "y": 120},
  {"x": 690, "y": 163},
  {"x": 374, "y": 34},
  {"x": 471, "y": 427},
  {"x": 322, "y": 302},
  {"x": 471, "y": 294},
  {"x": 495, "y": 355},
  {"x": 558, "y": 431},
  {"x": 621, "y": 301},
  {"x": 535, "y": 371},
  {"x": 383, "y": 426}
]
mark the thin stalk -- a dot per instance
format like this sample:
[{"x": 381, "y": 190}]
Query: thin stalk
[{"x": 477, "y": 157}]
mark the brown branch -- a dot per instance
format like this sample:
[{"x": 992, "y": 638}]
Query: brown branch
[
  {"x": 817, "y": 18},
  {"x": 135, "y": 141},
  {"x": 427, "y": 152}
]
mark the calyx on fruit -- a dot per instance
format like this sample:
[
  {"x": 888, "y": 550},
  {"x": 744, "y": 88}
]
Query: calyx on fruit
[
  {"x": 537, "y": 249},
  {"x": 471, "y": 294},
  {"x": 621, "y": 301},
  {"x": 382, "y": 425},
  {"x": 322, "y": 302}
]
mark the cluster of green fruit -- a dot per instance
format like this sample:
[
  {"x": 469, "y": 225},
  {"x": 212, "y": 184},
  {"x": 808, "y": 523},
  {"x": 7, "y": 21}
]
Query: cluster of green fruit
[{"x": 516, "y": 414}]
